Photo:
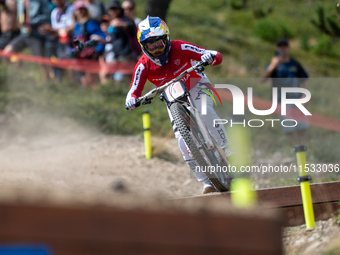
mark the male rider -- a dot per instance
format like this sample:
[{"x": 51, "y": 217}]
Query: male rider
[{"x": 164, "y": 59}]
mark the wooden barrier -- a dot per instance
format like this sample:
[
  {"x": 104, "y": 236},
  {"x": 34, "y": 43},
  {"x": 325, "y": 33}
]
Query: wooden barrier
[
  {"x": 325, "y": 197},
  {"x": 112, "y": 230}
]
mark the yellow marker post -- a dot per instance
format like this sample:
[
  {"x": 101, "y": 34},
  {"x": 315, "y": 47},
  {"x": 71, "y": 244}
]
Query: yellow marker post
[
  {"x": 304, "y": 179},
  {"x": 147, "y": 134},
  {"x": 242, "y": 195}
]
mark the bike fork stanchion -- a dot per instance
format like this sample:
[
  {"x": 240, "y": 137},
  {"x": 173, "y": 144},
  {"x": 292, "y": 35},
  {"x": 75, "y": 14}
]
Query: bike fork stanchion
[
  {"x": 147, "y": 134},
  {"x": 304, "y": 179},
  {"x": 242, "y": 194}
]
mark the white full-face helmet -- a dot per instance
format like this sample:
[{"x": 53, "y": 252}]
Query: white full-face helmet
[{"x": 154, "y": 37}]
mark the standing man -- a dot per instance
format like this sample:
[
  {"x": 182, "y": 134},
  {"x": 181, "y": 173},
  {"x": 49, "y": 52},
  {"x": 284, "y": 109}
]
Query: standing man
[
  {"x": 287, "y": 72},
  {"x": 9, "y": 24},
  {"x": 59, "y": 32},
  {"x": 31, "y": 15}
]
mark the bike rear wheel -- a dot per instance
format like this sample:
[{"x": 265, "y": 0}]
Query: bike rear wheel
[{"x": 192, "y": 135}]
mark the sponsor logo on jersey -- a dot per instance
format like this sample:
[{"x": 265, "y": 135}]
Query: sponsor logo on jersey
[
  {"x": 192, "y": 48},
  {"x": 159, "y": 79},
  {"x": 180, "y": 69}
]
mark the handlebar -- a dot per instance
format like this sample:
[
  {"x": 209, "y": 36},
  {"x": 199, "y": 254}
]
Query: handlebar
[{"x": 198, "y": 66}]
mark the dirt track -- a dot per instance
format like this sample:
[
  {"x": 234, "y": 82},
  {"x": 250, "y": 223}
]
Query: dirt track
[{"x": 61, "y": 155}]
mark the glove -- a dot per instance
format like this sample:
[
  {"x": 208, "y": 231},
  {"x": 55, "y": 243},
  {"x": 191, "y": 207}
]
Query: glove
[
  {"x": 130, "y": 104},
  {"x": 208, "y": 57}
]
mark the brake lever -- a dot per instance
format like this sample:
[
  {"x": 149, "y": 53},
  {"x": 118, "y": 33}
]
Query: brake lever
[
  {"x": 200, "y": 69},
  {"x": 146, "y": 101}
]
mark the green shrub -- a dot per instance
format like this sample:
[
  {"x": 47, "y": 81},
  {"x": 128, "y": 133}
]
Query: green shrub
[
  {"x": 326, "y": 22},
  {"x": 238, "y": 4},
  {"x": 325, "y": 46},
  {"x": 267, "y": 30},
  {"x": 216, "y": 4},
  {"x": 285, "y": 30},
  {"x": 260, "y": 12},
  {"x": 270, "y": 30}
]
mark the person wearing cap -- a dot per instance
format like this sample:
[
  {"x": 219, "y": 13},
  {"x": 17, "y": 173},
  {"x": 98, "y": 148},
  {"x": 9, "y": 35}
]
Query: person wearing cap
[
  {"x": 122, "y": 31},
  {"x": 123, "y": 44},
  {"x": 288, "y": 72},
  {"x": 86, "y": 28}
]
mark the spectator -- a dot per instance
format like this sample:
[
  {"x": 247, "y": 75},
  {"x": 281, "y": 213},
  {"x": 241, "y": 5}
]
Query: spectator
[
  {"x": 129, "y": 7},
  {"x": 108, "y": 56},
  {"x": 95, "y": 8},
  {"x": 86, "y": 28},
  {"x": 59, "y": 32},
  {"x": 122, "y": 31},
  {"x": 32, "y": 14},
  {"x": 104, "y": 26},
  {"x": 285, "y": 72},
  {"x": 9, "y": 25}
]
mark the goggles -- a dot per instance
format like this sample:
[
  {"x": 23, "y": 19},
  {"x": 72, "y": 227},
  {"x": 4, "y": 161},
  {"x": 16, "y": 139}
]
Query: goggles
[{"x": 155, "y": 45}]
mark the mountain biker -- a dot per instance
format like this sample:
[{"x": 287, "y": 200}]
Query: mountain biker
[{"x": 165, "y": 59}]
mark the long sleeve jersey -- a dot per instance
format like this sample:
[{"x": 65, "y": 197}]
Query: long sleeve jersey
[{"x": 181, "y": 57}]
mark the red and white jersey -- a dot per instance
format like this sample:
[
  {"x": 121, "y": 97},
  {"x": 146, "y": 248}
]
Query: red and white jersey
[{"x": 182, "y": 55}]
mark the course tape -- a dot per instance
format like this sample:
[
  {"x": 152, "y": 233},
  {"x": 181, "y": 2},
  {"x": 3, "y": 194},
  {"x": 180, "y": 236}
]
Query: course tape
[
  {"x": 84, "y": 65},
  {"x": 315, "y": 120}
]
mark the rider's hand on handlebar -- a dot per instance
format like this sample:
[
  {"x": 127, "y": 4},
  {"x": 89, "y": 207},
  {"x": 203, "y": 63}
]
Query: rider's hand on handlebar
[
  {"x": 130, "y": 104},
  {"x": 208, "y": 57}
]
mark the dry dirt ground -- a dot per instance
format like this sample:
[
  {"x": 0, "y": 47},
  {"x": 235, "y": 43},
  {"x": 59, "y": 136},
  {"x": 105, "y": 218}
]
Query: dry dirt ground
[
  {"x": 320, "y": 240},
  {"x": 41, "y": 153}
]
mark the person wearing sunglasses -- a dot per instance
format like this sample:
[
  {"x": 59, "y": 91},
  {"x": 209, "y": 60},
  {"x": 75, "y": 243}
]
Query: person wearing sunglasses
[
  {"x": 129, "y": 7},
  {"x": 164, "y": 59}
]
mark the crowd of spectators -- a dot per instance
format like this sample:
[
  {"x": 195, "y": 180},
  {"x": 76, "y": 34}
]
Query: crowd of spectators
[{"x": 50, "y": 27}]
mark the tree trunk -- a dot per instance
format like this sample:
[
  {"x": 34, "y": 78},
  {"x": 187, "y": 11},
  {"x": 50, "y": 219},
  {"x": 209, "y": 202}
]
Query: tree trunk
[{"x": 157, "y": 8}]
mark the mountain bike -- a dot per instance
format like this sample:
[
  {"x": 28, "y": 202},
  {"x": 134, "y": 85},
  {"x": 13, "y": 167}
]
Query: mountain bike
[{"x": 200, "y": 144}]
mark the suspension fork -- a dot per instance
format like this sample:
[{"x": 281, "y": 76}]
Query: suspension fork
[{"x": 207, "y": 138}]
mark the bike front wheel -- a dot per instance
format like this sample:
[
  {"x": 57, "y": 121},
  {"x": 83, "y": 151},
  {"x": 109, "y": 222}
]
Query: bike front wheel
[{"x": 191, "y": 133}]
